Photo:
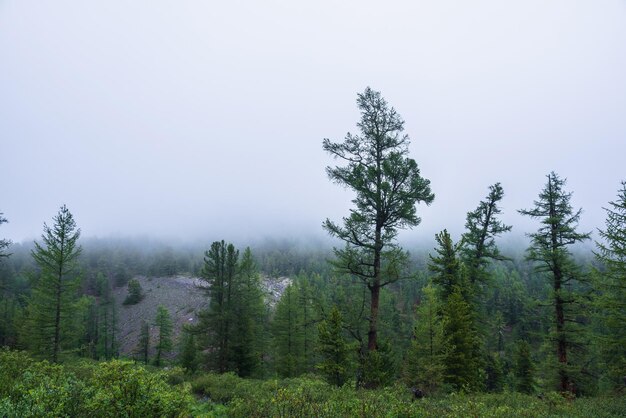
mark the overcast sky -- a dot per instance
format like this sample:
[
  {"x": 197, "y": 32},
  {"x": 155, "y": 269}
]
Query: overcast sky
[{"x": 196, "y": 119}]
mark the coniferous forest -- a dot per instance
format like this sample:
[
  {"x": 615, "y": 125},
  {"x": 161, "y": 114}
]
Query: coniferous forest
[{"x": 368, "y": 328}]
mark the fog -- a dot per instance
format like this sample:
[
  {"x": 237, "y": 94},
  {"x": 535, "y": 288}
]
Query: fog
[{"x": 194, "y": 120}]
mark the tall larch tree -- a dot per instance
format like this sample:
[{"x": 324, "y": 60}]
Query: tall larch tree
[
  {"x": 388, "y": 185},
  {"x": 52, "y": 299},
  {"x": 549, "y": 250},
  {"x": 482, "y": 227},
  {"x": 610, "y": 302}
]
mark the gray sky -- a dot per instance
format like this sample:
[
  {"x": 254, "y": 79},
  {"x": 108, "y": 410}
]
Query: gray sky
[{"x": 195, "y": 119}]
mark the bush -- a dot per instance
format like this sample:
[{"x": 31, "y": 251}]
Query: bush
[{"x": 110, "y": 389}]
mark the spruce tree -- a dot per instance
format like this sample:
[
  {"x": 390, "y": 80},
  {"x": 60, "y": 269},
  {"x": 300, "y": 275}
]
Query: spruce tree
[
  {"x": 424, "y": 367},
  {"x": 50, "y": 305},
  {"x": 461, "y": 355},
  {"x": 446, "y": 265},
  {"x": 461, "y": 361},
  {"x": 549, "y": 250},
  {"x": 164, "y": 343},
  {"x": 610, "y": 282},
  {"x": 334, "y": 350},
  {"x": 388, "y": 185}
]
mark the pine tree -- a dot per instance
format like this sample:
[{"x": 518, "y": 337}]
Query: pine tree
[
  {"x": 50, "y": 306},
  {"x": 610, "y": 300},
  {"x": 164, "y": 323},
  {"x": 549, "y": 249},
  {"x": 335, "y": 351},
  {"x": 388, "y": 185}
]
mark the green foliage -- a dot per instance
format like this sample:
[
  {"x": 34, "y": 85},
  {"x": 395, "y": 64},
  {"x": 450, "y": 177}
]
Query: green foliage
[
  {"x": 610, "y": 300},
  {"x": 335, "y": 351},
  {"x": 164, "y": 343},
  {"x": 287, "y": 334},
  {"x": 135, "y": 293},
  {"x": 446, "y": 266},
  {"x": 377, "y": 368},
  {"x": 188, "y": 358},
  {"x": 524, "y": 368},
  {"x": 461, "y": 360},
  {"x": 125, "y": 390},
  {"x": 110, "y": 389},
  {"x": 424, "y": 367},
  {"x": 142, "y": 350},
  {"x": 231, "y": 396},
  {"x": 50, "y": 308}
]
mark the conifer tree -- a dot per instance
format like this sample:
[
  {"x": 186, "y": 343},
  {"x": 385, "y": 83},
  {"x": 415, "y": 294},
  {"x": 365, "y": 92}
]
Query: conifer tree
[
  {"x": 446, "y": 265},
  {"x": 249, "y": 311},
  {"x": 164, "y": 343},
  {"x": 610, "y": 300},
  {"x": 219, "y": 274},
  {"x": 549, "y": 250},
  {"x": 135, "y": 293},
  {"x": 288, "y": 334},
  {"x": 424, "y": 367},
  {"x": 188, "y": 351},
  {"x": 462, "y": 362},
  {"x": 461, "y": 356},
  {"x": 524, "y": 368},
  {"x": 50, "y": 306},
  {"x": 478, "y": 246},
  {"x": 335, "y": 351},
  {"x": 388, "y": 185}
]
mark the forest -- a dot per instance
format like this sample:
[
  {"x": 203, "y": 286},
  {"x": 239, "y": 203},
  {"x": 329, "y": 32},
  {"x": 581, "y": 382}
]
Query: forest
[{"x": 367, "y": 328}]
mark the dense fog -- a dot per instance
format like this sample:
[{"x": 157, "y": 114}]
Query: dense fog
[{"x": 196, "y": 121}]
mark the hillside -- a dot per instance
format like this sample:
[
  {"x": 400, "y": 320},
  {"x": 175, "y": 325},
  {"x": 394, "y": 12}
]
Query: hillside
[{"x": 182, "y": 298}]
